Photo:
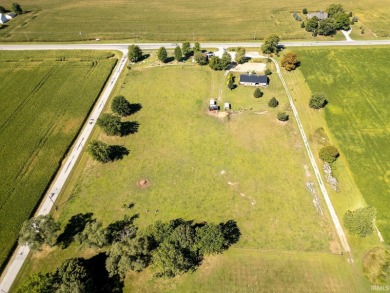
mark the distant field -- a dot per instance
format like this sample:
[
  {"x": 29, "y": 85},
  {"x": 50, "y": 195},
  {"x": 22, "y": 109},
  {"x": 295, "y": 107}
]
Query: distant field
[
  {"x": 44, "y": 99},
  {"x": 177, "y": 20},
  {"x": 358, "y": 116},
  {"x": 249, "y": 168}
]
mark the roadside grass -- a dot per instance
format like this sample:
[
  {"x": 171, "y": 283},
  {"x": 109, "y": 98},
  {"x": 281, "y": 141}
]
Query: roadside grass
[
  {"x": 180, "y": 20},
  {"x": 248, "y": 167},
  {"x": 45, "y": 98}
]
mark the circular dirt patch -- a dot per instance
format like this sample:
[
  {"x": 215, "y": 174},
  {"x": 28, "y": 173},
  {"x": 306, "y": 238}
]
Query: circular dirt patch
[{"x": 143, "y": 183}]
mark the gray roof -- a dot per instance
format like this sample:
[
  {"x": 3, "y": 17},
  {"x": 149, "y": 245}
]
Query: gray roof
[
  {"x": 320, "y": 15},
  {"x": 253, "y": 78}
]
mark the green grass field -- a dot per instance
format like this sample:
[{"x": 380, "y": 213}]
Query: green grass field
[
  {"x": 45, "y": 98},
  {"x": 248, "y": 167},
  {"x": 357, "y": 116},
  {"x": 179, "y": 20}
]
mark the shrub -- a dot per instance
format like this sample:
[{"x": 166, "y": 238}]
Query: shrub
[
  {"x": 268, "y": 71},
  {"x": 317, "y": 101},
  {"x": 361, "y": 221},
  {"x": 304, "y": 10},
  {"x": 282, "y": 116},
  {"x": 257, "y": 93},
  {"x": 273, "y": 103},
  {"x": 376, "y": 265},
  {"x": 329, "y": 153}
]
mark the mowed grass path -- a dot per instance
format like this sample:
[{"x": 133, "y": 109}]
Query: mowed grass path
[
  {"x": 43, "y": 104},
  {"x": 357, "y": 87},
  {"x": 249, "y": 168},
  {"x": 81, "y": 20}
]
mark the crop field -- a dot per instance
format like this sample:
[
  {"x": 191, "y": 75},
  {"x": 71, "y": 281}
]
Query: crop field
[
  {"x": 45, "y": 98},
  {"x": 247, "y": 167},
  {"x": 358, "y": 117},
  {"x": 178, "y": 20}
]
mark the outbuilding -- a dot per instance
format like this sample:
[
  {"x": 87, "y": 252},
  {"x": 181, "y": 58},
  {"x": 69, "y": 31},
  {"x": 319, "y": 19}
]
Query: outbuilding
[
  {"x": 253, "y": 80},
  {"x": 3, "y": 18}
]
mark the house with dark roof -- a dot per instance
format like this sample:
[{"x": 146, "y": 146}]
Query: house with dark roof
[
  {"x": 253, "y": 80},
  {"x": 320, "y": 15}
]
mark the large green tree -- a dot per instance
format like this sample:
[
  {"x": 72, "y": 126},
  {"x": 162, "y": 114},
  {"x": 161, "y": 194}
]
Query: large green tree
[
  {"x": 100, "y": 151},
  {"x": 111, "y": 124},
  {"x": 334, "y": 9},
  {"x": 75, "y": 276},
  {"x": 329, "y": 153},
  {"x": 186, "y": 49},
  {"x": 327, "y": 27},
  {"x": 17, "y": 8},
  {"x": 210, "y": 239},
  {"x": 226, "y": 60},
  {"x": 317, "y": 101},
  {"x": 38, "y": 283},
  {"x": 121, "y": 106},
  {"x": 197, "y": 47},
  {"x": 200, "y": 58},
  {"x": 93, "y": 235},
  {"x": 312, "y": 24},
  {"x": 38, "y": 231},
  {"x": 341, "y": 21},
  {"x": 135, "y": 53},
  {"x": 162, "y": 54},
  {"x": 215, "y": 63},
  {"x": 270, "y": 44},
  {"x": 361, "y": 221},
  {"x": 178, "y": 53},
  {"x": 240, "y": 55}
]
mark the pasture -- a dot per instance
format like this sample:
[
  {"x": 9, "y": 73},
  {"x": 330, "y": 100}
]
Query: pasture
[
  {"x": 179, "y": 20},
  {"x": 357, "y": 116},
  {"x": 45, "y": 97},
  {"x": 247, "y": 167}
]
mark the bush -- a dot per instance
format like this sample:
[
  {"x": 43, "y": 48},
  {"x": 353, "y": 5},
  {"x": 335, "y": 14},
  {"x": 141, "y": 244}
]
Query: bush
[
  {"x": 268, "y": 71},
  {"x": 361, "y": 221},
  {"x": 329, "y": 153},
  {"x": 273, "y": 103},
  {"x": 376, "y": 265},
  {"x": 257, "y": 93},
  {"x": 282, "y": 116},
  {"x": 121, "y": 106},
  {"x": 317, "y": 101},
  {"x": 304, "y": 10}
]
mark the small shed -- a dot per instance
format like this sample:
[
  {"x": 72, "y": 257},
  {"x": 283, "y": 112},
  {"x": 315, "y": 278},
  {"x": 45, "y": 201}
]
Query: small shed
[
  {"x": 227, "y": 106},
  {"x": 10, "y": 15},
  {"x": 253, "y": 80},
  {"x": 3, "y": 18},
  {"x": 213, "y": 107},
  {"x": 213, "y": 102}
]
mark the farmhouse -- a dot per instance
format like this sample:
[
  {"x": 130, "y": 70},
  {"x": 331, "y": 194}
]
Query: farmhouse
[
  {"x": 320, "y": 15},
  {"x": 253, "y": 80}
]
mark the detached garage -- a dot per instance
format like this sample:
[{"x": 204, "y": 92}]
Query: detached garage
[{"x": 253, "y": 80}]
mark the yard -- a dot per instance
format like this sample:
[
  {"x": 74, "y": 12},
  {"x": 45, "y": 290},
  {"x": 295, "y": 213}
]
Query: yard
[
  {"x": 45, "y": 98},
  {"x": 247, "y": 167}
]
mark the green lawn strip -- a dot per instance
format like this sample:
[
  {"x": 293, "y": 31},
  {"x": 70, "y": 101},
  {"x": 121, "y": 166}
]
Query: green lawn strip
[
  {"x": 203, "y": 20},
  {"x": 246, "y": 270},
  {"x": 44, "y": 104}
]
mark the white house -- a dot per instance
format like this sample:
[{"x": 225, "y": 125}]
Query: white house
[{"x": 3, "y": 18}]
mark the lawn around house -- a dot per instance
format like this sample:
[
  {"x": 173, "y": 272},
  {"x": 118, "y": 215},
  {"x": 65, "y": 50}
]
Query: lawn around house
[
  {"x": 179, "y": 20},
  {"x": 45, "y": 98},
  {"x": 249, "y": 168}
]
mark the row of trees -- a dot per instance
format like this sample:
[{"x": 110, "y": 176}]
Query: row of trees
[{"x": 170, "y": 248}]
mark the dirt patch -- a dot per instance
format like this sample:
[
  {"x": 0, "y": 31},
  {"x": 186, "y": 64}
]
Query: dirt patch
[
  {"x": 334, "y": 247},
  {"x": 218, "y": 114},
  {"x": 261, "y": 113},
  {"x": 143, "y": 183},
  {"x": 258, "y": 67}
]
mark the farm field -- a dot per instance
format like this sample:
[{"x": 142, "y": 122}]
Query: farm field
[
  {"x": 45, "y": 98},
  {"x": 249, "y": 168},
  {"x": 357, "y": 117},
  {"x": 179, "y": 20}
]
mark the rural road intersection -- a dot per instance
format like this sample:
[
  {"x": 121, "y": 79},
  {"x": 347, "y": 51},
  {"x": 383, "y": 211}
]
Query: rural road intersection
[{"x": 48, "y": 201}]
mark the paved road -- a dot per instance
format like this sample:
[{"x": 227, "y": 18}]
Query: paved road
[{"x": 22, "y": 252}]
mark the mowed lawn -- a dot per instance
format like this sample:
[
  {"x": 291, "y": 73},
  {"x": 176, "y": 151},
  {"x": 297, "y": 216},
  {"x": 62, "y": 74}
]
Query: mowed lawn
[
  {"x": 248, "y": 168},
  {"x": 177, "y": 20},
  {"x": 356, "y": 84},
  {"x": 45, "y": 97}
]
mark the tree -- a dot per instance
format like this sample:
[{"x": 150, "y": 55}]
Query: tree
[
  {"x": 257, "y": 93},
  {"x": 334, "y": 9},
  {"x": 131, "y": 254},
  {"x": 282, "y": 116},
  {"x": 111, "y": 124},
  {"x": 178, "y": 53},
  {"x": 184, "y": 236},
  {"x": 304, "y": 10},
  {"x": 121, "y": 230},
  {"x": 290, "y": 61},
  {"x": 158, "y": 232},
  {"x": 327, "y": 27},
  {"x": 74, "y": 276},
  {"x": 361, "y": 221},
  {"x": 376, "y": 265},
  {"x": 226, "y": 60},
  {"x": 210, "y": 239},
  {"x": 38, "y": 283},
  {"x": 197, "y": 47},
  {"x": 268, "y": 71},
  {"x": 341, "y": 21},
  {"x": 17, "y": 8},
  {"x": 93, "y": 235},
  {"x": 200, "y": 58},
  {"x": 169, "y": 260},
  {"x": 230, "y": 81},
  {"x": 99, "y": 151},
  {"x": 2, "y": 9},
  {"x": 162, "y": 54},
  {"x": 317, "y": 101},
  {"x": 215, "y": 63},
  {"x": 240, "y": 55},
  {"x": 186, "y": 49},
  {"x": 273, "y": 102},
  {"x": 303, "y": 24},
  {"x": 270, "y": 44},
  {"x": 329, "y": 153},
  {"x": 121, "y": 106},
  {"x": 312, "y": 24},
  {"x": 135, "y": 53},
  {"x": 38, "y": 231}
]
